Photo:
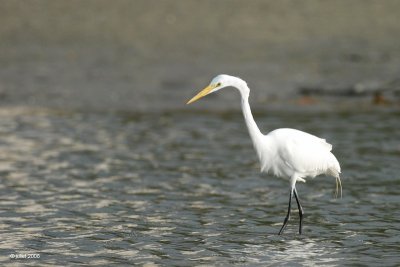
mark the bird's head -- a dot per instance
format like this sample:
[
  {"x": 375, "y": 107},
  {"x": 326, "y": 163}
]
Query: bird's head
[{"x": 219, "y": 82}]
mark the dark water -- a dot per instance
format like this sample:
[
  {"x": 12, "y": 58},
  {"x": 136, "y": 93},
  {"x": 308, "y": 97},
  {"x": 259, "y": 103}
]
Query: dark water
[{"x": 185, "y": 189}]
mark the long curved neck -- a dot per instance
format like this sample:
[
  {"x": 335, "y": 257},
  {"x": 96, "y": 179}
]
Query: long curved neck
[{"x": 254, "y": 131}]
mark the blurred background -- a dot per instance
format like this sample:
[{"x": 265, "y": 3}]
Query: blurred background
[
  {"x": 102, "y": 163},
  {"x": 146, "y": 55}
]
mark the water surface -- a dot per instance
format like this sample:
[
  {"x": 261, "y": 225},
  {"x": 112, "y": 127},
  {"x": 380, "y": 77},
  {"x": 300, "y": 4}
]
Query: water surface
[{"x": 184, "y": 189}]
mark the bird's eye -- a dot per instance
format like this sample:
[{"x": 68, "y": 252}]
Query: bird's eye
[{"x": 218, "y": 84}]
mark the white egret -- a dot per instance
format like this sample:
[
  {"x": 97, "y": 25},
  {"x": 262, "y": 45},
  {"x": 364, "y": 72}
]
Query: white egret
[{"x": 285, "y": 153}]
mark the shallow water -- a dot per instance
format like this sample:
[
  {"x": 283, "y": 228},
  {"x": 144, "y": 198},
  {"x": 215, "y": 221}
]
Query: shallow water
[{"x": 184, "y": 189}]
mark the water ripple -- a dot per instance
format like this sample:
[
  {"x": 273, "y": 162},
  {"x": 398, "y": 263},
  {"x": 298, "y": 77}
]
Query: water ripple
[{"x": 180, "y": 189}]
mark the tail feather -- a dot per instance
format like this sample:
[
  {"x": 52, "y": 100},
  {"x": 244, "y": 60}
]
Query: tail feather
[
  {"x": 338, "y": 186},
  {"x": 334, "y": 170}
]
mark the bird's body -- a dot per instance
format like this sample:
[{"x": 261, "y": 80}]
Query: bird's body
[
  {"x": 288, "y": 158},
  {"x": 286, "y": 153}
]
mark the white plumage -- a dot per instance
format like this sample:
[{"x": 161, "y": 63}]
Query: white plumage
[
  {"x": 286, "y": 153},
  {"x": 298, "y": 154}
]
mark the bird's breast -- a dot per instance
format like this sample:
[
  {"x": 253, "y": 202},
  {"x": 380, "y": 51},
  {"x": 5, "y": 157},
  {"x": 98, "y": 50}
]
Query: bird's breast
[{"x": 273, "y": 163}]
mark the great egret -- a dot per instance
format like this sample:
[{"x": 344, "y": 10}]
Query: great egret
[{"x": 285, "y": 153}]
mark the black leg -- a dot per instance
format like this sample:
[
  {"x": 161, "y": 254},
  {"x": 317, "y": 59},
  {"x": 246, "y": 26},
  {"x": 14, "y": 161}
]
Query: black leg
[
  {"x": 301, "y": 212},
  {"x": 285, "y": 222}
]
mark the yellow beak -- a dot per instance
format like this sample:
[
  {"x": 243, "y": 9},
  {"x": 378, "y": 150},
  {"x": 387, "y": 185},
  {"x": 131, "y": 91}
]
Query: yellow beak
[{"x": 202, "y": 93}]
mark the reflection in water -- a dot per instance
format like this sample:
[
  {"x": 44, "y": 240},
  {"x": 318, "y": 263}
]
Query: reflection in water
[{"x": 172, "y": 189}]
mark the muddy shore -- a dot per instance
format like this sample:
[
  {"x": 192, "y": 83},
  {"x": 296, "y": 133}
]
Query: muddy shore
[{"x": 154, "y": 55}]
